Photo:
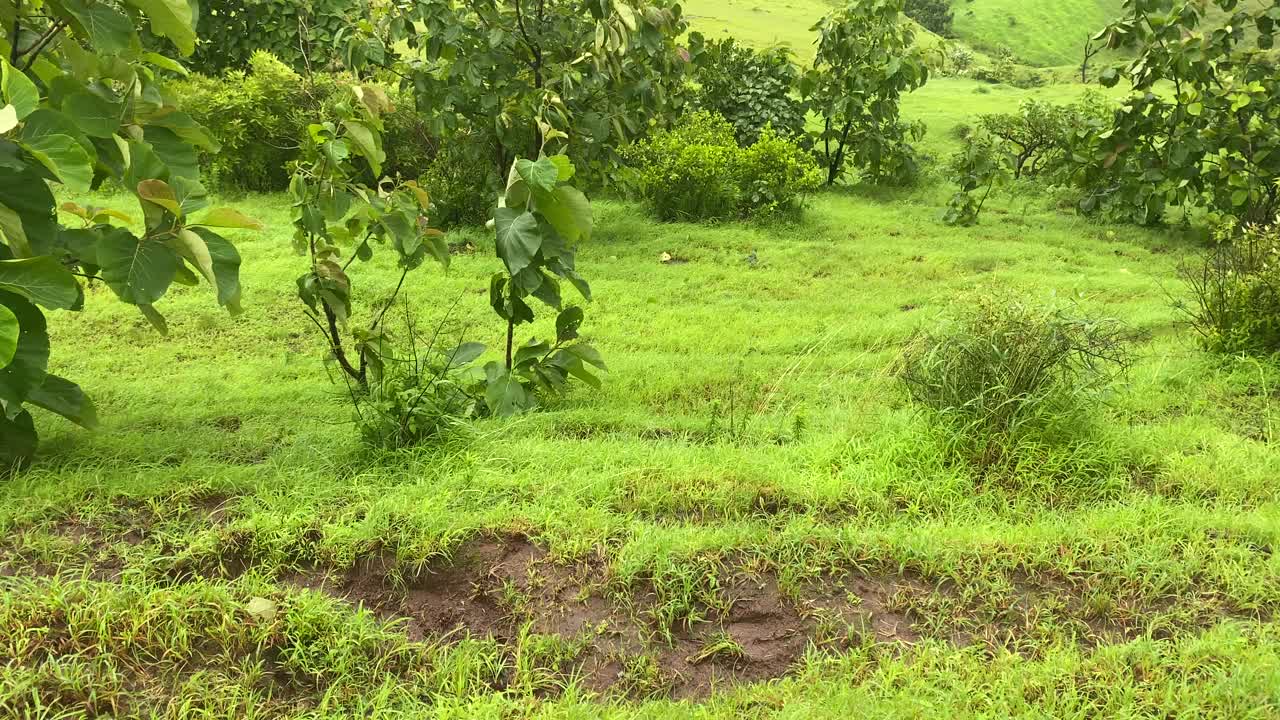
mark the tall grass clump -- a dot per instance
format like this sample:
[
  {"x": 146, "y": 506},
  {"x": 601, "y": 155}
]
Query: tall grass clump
[{"x": 1005, "y": 376}]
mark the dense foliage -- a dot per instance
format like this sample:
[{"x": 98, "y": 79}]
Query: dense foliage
[
  {"x": 497, "y": 68},
  {"x": 464, "y": 186},
  {"x": 83, "y": 102},
  {"x": 865, "y": 61},
  {"x": 751, "y": 89},
  {"x": 304, "y": 34},
  {"x": 935, "y": 16},
  {"x": 697, "y": 171},
  {"x": 1037, "y": 141},
  {"x": 1236, "y": 291},
  {"x": 1003, "y": 368},
  {"x": 260, "y": 117},
  {"x": 1201, "y": 127}
]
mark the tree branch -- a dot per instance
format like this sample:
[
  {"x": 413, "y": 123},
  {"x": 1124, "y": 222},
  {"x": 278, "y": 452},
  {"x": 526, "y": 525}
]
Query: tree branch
[
  {"x": 17, "y": 30},
  {"x": 39, "y": 45}
]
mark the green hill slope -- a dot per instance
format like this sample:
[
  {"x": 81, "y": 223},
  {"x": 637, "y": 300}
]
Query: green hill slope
[
  {"x": 759, "y": 23},
  {"x": 765, "y": 23},
  {"x": 1039, "y": 32}
]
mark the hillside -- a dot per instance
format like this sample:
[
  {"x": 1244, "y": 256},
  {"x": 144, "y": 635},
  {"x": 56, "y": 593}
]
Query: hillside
[
  {"x": 1039, "y": 32},
  {"x": 758, "y": 24}
]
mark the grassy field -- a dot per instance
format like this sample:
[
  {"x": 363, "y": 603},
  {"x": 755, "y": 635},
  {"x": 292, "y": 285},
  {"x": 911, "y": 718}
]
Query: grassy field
[
  {"x": 768, "y": 24},
  {"x": 749, "y": 520},
  {"x": 1039, "y": 33}
]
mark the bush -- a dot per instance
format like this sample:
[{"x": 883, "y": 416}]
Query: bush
[
  {"x": 301, "y": 33},
  {"x": 461, "y": 181},
  {"x": 1035, "y": 142},
  {"x": 259, "y": 117},
  {"x": 697, "y": 171},
  {"x": 934, "y": 15},
  {"x": 774, "y": 174},
  {"x": 1236, "y": 286},
  {"x": 751, "y": 89},
  {"x": 1003, "y": 370}
]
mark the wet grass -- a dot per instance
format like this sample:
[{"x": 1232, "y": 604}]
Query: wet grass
[{"x": 749, "y": 497}]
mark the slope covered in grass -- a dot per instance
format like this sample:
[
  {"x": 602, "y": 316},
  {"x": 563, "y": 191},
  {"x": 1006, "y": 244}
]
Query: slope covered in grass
[
  {"x": 768, "y": 24},
  {"x": 1038, "y": 33}
]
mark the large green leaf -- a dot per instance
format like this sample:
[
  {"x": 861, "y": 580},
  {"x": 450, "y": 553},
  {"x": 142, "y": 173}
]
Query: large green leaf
[
  {"x": 9, "y": 330},
  {"x": 139, "y": 271},
  {"x": 141, "y": 163},
  {"x": 368, "y": 143},
  {"x": 177, "y": 154},
  {"x": 18, "y": 90},
  {"x": 185, "y": 127},
  {"x": 568, "y": 211},
  {"x": 65, "y": 158},
  {"x": 503, "y": 392},
  {"x": 44, "y": 122},
  {"x": 193, "y": 249},
  {"x": 226, "y": 268},
  {"x": 174, "y": 19},
  {"x": 65, "y": 398},
  {"x": 518, "y": 238},
  {"x": 107, "y": 29},
  {"x": 93, "y": 114},
  {"x": 26, "y": 194},
  {"x": 13, "y": 234},
  {"x": 18, "y": 439},
  {"x": 8, "y": 118},
  {"x": 541, "y": 175},
  {"x": 26, "y": 371},
  {"x": 42, "y": 280}
]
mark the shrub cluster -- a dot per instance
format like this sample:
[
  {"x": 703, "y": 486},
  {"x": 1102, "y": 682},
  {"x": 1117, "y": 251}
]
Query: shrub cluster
[
  {"x": 1003, "y": 370},
  {"x": 935, "y": 16},
  {"x": 697, "y": 171},
  {"x": 260, "y": 116},
  {"x": 1236, "y": 287},
  {"x": 751, "y": 89},
  {"x": 1035, "y": 142}
]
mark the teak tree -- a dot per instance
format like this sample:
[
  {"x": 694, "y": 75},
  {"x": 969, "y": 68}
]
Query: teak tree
[
  {"x": 82, "y": 101},
  {"x": 1213, "y": 141},
  {"x": 601, "y": 69},
  {"x": 865, "y": 62}
]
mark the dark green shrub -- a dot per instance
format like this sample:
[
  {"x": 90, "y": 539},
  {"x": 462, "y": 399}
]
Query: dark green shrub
[
  {"x": 774, "y": 175},
  {"x": 934, "y": 15},
  {"x": 1236, "y": 286},
  {"x": 461, "y": 181},
  {"x": 1002, "y": 370},
  {"x": 697, "y": 171},
  {"x": 301, "y": 33},
  {"x": 751, "y": 89},
  {"x": 260, "y": 116}
]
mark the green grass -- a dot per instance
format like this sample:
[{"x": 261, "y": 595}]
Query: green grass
[
  {"x": 1038, "y": 33},
  {"x": 1132, "y": 575},
  {"x": 769, "y": 24}
]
